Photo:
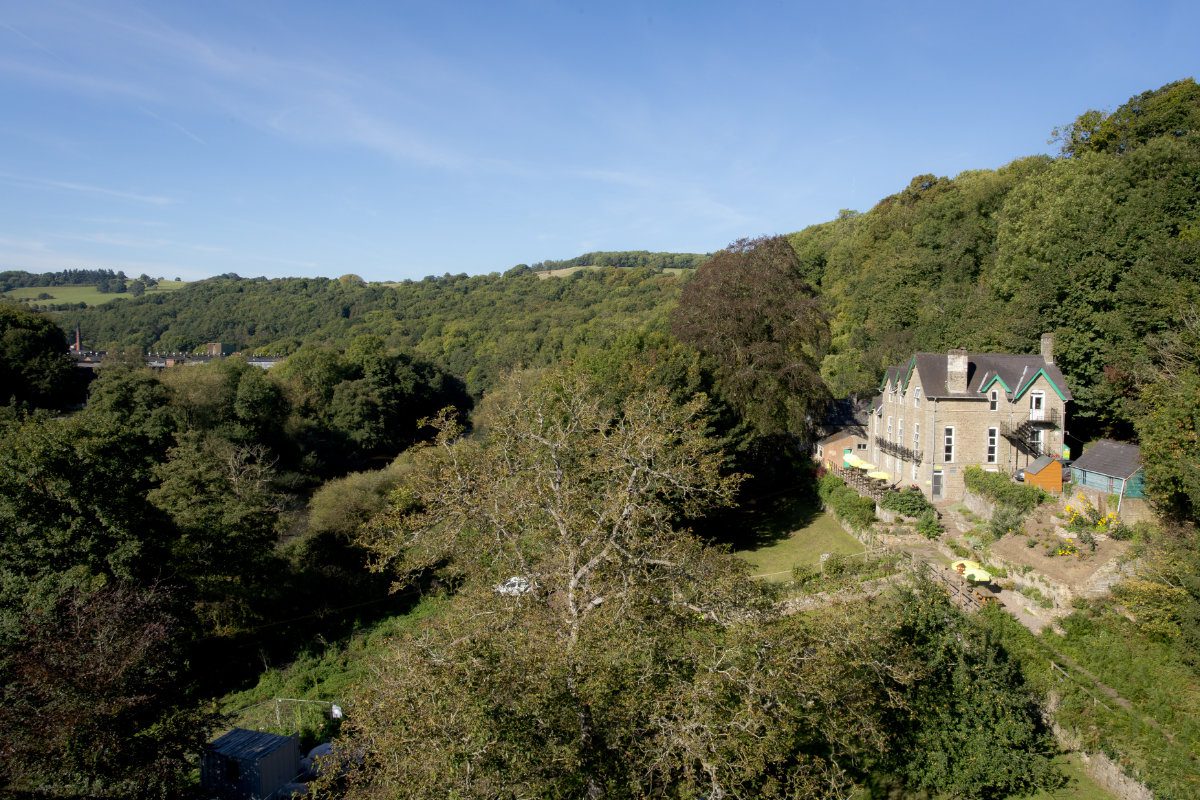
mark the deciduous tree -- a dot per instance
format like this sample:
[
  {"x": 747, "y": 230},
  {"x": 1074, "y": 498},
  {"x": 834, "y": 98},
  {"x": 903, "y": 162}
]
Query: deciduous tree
[{"x": 751, "y": 310}]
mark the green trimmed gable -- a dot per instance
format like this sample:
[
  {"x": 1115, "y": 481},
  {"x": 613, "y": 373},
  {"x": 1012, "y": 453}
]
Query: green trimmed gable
[{"x": 1033, "y": 380}]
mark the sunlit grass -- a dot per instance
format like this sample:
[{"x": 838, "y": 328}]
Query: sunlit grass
[
  {"x": 82, "y": 294},
  {"x": 823, "y": 534}
]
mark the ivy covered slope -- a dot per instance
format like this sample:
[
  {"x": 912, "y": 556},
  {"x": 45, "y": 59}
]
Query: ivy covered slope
[
  {"x": 1099, "y": 245},
  {"x": 475, "y": 327}
]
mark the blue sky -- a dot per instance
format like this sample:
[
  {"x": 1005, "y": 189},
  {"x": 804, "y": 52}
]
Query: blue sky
[{"x": 396, "y": 140}]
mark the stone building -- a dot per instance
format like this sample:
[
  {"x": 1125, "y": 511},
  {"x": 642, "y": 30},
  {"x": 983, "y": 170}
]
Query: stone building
[
  {"x": 939, "y": 413},
  {"x": 837, "y": 447}
]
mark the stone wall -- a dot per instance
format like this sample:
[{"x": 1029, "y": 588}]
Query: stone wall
[
  {"x": 979, "y": 506},
  {"x": 1100, "y": 768}
]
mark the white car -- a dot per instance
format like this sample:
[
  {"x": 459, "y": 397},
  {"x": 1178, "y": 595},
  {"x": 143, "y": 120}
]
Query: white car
[{"x": 514, "y": 586}]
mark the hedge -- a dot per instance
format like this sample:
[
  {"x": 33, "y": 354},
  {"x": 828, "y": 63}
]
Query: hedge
[
  {"x": 907, "y": 502},
  {"x": 1002, "y": 490},
  {"x": 856, "y": 511}
]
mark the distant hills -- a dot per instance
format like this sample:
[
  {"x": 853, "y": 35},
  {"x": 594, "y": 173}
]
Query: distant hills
[{"x": 1099, "y": 245}]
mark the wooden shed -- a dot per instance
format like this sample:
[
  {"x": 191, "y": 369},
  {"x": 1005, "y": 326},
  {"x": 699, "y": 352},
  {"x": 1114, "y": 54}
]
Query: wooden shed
[
  {"x": 1110, "y": 467},
  {"x": 249, "y": 765},
  {"x": 1046, "y": 473}
]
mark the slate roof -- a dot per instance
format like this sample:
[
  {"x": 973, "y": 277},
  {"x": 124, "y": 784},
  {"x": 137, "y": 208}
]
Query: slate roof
[
  {"x": 855, "y": 430},
  {"x": 245, "y": 745},
  {"x": 1114, "y": 459},
  {"x": 1014, "y": 373}
]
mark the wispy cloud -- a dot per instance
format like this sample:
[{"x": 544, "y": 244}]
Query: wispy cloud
[
  {"x": 75, "y": 81},
  {"x": 172, "y": 124},
  {"x": 84, "y": 188},
  {"x": 27, "y": 245},
  {"x": 306, "y": 100}
]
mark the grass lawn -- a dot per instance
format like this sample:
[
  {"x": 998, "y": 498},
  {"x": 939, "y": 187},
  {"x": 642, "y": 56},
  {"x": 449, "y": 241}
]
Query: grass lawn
[
  {"x": 317, "y": 679},
  {"x": 82, "y": 294},
  {"x": 1079, "y": 785},
  {"x": 788, "y": 533}
]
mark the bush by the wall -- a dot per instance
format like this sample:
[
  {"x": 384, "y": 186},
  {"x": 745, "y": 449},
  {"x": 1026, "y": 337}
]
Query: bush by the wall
[
  {"x": 907, "y": 502},
  {"x": 856, "y": 511},
  {"x": 1002, "y": 490},
  {"x": 1005, "y": 520},
  {"x": 928, "y": 525}
]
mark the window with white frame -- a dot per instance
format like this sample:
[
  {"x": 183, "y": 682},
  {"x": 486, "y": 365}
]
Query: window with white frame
[
  {"x": 991, "y": 445},
  {"x": 916, "y": 436},
  {"x": 914, "y": 472},
  {"x": 948, "y": 444},
  {"x": 917, "y": 397},
  {"x": 900, "y": 431},
  {"x": 993, "y": 400},
  {"x": 889, "y": 429}
]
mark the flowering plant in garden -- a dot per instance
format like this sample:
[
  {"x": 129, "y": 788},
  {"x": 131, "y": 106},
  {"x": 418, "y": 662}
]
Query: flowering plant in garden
[
  {"x": 1068, "y": 548},
  {"x": 1084, "y": 517}
]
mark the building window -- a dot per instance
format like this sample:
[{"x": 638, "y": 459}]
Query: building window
[
  {"x": 991, "y": 445},
  {"x": 1036, "y": 442},
  {"x": 917, "y": 397},
  {"x": 948, "y": 445},
  {"x": 993, "y": 400},
  {"x": 861, "y": 446},
  {"x": 916, "y": 436},
  {"x": 914, "y": 472},
  {"x": 900, "y": 431},
  {"x": 889, "y": 434}
]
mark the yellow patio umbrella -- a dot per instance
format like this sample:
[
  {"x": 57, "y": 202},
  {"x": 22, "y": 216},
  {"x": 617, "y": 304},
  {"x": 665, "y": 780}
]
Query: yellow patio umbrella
[
  {"x": 977, "y": 575},
  {"x": 965, "y": 564},
  {"x": 853, "y": 460},
  {"x": 862, "y": 464},
  {"x": 879, "y": 475}
]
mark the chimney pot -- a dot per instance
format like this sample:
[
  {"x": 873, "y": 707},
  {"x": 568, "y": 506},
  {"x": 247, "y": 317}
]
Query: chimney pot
[
  {"x": 1048, "y": 348},
  {"x": 956, "y": 371}
]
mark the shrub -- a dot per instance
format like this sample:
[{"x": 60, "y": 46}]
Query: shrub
[
  {"x": 857, "y": 512},
  {"x": 1005, "y": 520},
  {"x": 929, "y": 526},
  {"x": 1002, "y": 490},
  {"x": 1035, "y": 594},
  {"x": 836, "y": 564},
  {"x": 803, "y": 574},
  {"x": 907, "y": 502}
]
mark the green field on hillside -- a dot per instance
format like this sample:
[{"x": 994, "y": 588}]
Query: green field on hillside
[{"x": 81, "y": 294}]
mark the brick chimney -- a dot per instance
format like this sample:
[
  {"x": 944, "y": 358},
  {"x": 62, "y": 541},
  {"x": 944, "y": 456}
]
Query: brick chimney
[
  {"x": 956, "y": 372},
  {"x": 1048, "y": 348}
]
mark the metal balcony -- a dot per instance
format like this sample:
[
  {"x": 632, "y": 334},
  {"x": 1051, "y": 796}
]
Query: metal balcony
[
  {"x": 900, "y": 451},
  {"x": 1045, "y": 417}
]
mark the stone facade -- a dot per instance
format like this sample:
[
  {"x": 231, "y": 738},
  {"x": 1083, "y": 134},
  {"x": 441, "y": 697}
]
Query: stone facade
[{"x": 937, "y": 414}]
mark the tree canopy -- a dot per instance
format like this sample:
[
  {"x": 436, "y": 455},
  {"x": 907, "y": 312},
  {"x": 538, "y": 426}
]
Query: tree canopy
[{"x": 752, "y": 312}]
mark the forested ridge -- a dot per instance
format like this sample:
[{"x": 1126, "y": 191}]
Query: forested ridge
[
  {"x": 550, "y": 468},
  {"x": 1099, "y": 245}
]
